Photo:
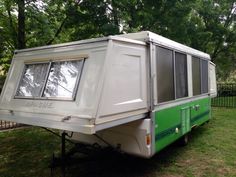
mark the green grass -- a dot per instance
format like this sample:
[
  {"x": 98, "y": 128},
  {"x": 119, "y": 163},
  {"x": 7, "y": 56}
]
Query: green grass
[{"x": 211, "y": 152}]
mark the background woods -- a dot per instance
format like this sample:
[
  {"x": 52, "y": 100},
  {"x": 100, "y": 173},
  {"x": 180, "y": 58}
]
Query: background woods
[{"x": 207, "y": 25}]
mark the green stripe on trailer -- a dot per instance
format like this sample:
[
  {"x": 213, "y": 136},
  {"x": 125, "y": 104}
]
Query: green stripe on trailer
[
  {"x": 200, "y": 117},
  {"x": 174, "y": 122},
  {"x": 167, "y": 132}
]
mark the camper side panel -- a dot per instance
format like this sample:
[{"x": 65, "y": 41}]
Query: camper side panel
[
  {"x": 125, "y": 82},
  {"x": 176, "y": 121}
]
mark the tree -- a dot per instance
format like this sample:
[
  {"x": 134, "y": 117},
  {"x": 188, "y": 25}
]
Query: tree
[
  {"x": 207, "y": 25},
  {"x": 215, "y": 32}
]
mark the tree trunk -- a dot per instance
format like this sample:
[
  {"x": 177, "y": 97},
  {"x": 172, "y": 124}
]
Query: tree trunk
[{"x": 21, "y": 24}]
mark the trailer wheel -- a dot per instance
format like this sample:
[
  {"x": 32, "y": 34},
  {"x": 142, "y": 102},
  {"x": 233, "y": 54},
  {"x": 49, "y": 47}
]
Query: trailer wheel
[{"x": 183, "y": 141}]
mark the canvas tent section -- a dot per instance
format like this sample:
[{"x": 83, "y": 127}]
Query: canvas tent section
[
  {"x": 212, "y": 78},
  {"x": 83, "y": 86}
]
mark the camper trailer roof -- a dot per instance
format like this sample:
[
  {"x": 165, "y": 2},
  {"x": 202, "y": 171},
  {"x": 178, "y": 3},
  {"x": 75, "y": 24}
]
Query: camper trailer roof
[
  {"x": 139, "y": 37},
  {"x": 148, "y": 36},
  {"x": 86, "y": 41}
]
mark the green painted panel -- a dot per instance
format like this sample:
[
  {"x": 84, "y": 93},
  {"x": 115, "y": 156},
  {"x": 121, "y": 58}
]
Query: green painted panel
[
  {"x": 174, "y": 122},
  {"x": 185, "y": 119},
  {"x": 200, "y": 111}
]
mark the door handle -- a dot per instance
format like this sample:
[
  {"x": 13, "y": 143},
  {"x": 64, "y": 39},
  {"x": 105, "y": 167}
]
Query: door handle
[{"x": 196, "y": 107}]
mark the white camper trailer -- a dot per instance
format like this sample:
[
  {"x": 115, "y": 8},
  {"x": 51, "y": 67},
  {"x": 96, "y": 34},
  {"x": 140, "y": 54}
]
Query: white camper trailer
[{"x": 138, "y": 91}]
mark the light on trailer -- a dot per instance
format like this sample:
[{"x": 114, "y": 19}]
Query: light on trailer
[{"x": 148, "y": 139}]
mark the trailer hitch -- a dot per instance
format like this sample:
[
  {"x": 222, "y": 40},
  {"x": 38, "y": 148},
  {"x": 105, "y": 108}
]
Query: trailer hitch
[
  {"x": 62, "y": 160},
  {"x": 66, "y": 158}
]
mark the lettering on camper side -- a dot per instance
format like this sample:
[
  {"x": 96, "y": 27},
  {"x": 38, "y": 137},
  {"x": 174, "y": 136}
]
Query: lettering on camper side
[{"x": 41, "y": 104}]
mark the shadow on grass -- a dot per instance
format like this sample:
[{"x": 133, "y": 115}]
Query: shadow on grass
[
  {"x": 114, "y": 164},
  {"x": 28, "y": 153},
  {"x": 25, "y": 152}
]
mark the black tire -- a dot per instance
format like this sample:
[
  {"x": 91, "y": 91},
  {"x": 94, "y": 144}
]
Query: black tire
[{"x": 183, "y": 141}]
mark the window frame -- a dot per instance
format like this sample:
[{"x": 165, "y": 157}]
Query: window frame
[
  {"x": 173, "y": 71},
  {"x": 72, "y": 98},
  {"x": 200, "y": 75},
  {"x": 189, "y": 69},
  {"x": 186, "y": 81},
  {"x": 200, "y": 70},
  {"x": 174, "y": 51}
]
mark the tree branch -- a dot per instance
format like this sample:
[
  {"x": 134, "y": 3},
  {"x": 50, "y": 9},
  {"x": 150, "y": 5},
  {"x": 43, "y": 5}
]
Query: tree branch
[
  {"x": 62, "y": 24},
  {"x": 228, "y": 21},
  {"x": 230, "y": 16},
  {"x": 57, "y": 32}
]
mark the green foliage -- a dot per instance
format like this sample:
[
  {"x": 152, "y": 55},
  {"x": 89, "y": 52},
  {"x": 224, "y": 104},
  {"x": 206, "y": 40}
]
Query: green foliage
[
  {"x": 207, "y": 25},
  {"x": 215, "y": 33}
]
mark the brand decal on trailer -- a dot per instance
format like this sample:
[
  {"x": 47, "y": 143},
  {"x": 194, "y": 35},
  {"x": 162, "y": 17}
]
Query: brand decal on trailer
[{"x": 41, "y": 104}]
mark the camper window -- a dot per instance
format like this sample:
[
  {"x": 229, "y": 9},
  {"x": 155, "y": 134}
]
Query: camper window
[
  {"x": 196, "y": 76},
  {"x": 171, "y": 75},
  {"x": 165, "y": 75},
  {"x": 200, "y": 76},
  {"x": 62, "y": 79},
  {"x": 181, "y": 75},
  {"x": 31, "y": 84},
  {"x": 56, "y": 79},
  {"x": 204, "y": 76}
]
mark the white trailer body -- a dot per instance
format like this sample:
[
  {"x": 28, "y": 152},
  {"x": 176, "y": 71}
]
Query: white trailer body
[
  {"x": 105, "y": 86},
  {"x": 104, "y": 93}
]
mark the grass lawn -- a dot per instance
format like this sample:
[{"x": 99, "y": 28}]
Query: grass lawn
[{"x": 211, "y": 152}]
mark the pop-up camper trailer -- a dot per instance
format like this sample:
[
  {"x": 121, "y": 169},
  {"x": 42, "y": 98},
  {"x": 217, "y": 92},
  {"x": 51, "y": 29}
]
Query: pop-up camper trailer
[{"x": 139, "y": 91}]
